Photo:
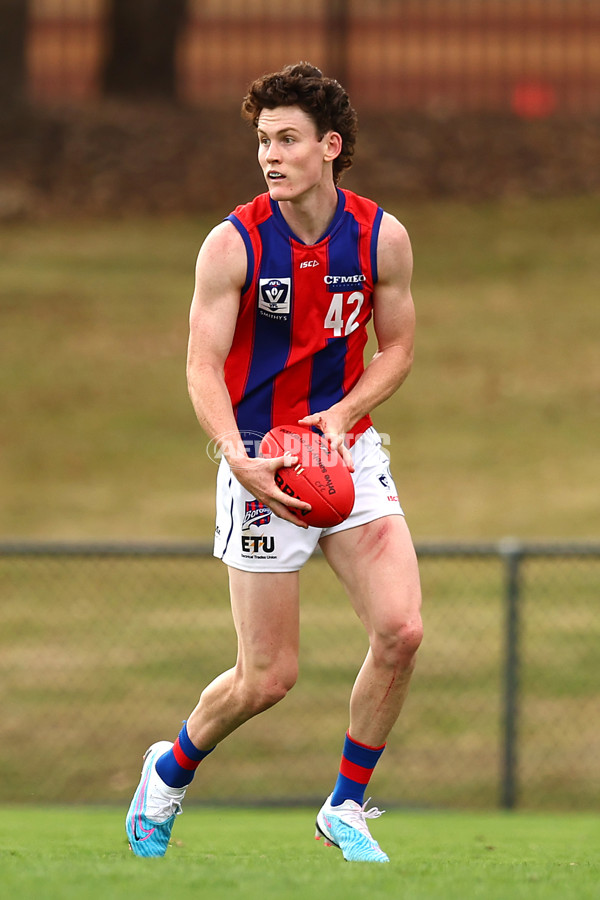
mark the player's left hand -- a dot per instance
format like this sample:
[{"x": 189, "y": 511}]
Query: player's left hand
[{"x": 330, "y": 424}]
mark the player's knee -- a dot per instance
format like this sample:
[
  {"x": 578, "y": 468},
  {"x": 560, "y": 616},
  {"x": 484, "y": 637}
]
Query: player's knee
[
  {"x": 412, "y": 635},
  {"x": 269, "y": 688},
  {"x": 397, "y": 645}
]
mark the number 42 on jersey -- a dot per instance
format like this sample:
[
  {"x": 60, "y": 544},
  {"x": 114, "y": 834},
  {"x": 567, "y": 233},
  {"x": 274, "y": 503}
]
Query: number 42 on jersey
[{"x": 343, "y": 312}]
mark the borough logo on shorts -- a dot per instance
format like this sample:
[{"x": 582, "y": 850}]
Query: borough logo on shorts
[{"x": 256, "y": 513}]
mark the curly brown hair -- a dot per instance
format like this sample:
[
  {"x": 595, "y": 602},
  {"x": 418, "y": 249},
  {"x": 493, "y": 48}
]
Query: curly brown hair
[{"x": 324, "y": 99}]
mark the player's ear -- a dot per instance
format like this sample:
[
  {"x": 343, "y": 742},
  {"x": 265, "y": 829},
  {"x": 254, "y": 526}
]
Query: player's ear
[{"x": 333, "y": 145}]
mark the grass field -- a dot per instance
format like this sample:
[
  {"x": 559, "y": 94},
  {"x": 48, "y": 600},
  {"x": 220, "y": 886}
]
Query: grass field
[
  {"x": 58, "y": 854},
  {"x": 494, "y": 433}
]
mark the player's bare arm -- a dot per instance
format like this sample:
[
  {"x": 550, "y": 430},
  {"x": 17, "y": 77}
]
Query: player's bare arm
[
  {"x": 220, "y": 274},
  {"x": 394, "y": 324}
]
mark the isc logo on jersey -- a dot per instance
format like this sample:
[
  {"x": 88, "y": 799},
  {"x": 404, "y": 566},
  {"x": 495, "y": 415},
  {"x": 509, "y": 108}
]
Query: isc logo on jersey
[{"x": 274, "y": 296}]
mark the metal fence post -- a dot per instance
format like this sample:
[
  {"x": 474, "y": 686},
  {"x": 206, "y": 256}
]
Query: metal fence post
[
  {"x": 337, "y": 18},
  {"x": 512, "y": 553}
]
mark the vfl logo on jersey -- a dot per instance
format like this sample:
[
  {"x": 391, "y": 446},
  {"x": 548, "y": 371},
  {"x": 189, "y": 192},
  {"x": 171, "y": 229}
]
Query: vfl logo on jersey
[
  {"x": 256, "y": 514},
  {"x": 274, "y": 296}
]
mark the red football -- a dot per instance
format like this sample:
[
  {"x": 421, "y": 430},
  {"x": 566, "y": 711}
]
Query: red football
[{"x": 320, "y": 477}]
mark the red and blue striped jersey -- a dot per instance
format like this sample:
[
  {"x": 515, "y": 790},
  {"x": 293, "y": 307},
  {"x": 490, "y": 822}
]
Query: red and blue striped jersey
[{"x": 301, "y": 329}]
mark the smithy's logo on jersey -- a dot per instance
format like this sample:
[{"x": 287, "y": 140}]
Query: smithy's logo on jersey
[
  {"x": 256, "y": 514},
  {"x": 274, "y": 296}
]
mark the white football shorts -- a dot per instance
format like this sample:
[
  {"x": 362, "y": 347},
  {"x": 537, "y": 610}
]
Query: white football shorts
[{"x": 249, "y": 536}]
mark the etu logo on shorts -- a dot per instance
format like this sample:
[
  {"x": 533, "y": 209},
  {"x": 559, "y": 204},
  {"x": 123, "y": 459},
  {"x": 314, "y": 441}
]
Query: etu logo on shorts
[
  {"x": 258, "y": 543},
  {"x": 274, "y": 296}
]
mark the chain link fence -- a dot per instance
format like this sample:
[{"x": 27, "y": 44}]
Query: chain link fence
[{"x": 104, "y": 649}]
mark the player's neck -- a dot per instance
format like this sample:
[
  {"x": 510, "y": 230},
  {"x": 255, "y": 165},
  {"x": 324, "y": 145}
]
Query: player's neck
[{"x": 309, "y": 216}]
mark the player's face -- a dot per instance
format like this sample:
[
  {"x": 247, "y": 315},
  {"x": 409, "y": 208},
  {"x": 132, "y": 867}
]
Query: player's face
[{"x": 291, "y": 156}]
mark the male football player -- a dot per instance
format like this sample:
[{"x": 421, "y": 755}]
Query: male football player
[{"x": 285, "y": 287}]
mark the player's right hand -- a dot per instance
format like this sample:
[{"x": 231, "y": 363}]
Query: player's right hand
[{"x": 257, "y": 475}]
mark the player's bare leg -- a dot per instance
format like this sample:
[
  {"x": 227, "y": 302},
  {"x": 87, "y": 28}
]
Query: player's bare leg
[
  {"x": 265, "y": 614},
  {"x": 378, "y": 567}
]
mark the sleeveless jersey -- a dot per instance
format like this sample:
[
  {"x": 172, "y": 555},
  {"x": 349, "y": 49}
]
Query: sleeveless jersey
[{"x": 301, "y": 329}]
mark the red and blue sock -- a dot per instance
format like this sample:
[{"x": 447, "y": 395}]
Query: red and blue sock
[
  {"x": 178, "y": 765},
  {"x": 356, "y": 768}
]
